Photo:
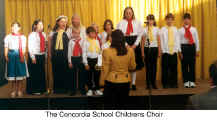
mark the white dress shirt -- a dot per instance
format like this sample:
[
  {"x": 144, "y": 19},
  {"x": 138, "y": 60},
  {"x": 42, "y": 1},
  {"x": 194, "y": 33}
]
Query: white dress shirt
[
  {"x": 71, "y": 48},
  {"x": 183, "y": 40},
  {"x": 34, "y": 44},
  {"x": 87, "y": 54},
  {"x": 137, "y": 28},
  {"x": 164, "y": 40},
  {"x": 12, "y": 42},
  {"x": 156, "y": 34}
]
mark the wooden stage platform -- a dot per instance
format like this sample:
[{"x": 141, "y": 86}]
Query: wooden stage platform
[{"x": 175, "y": 98}]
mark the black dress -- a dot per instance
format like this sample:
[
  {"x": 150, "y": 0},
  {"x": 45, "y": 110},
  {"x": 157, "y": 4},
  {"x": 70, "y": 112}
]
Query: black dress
[{"x": 60, "y": 65}]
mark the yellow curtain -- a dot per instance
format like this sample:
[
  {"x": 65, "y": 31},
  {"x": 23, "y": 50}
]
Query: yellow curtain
[{"x": 203, "y": 17}]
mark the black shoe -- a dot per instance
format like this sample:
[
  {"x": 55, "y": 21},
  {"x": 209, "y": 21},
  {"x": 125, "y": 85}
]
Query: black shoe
[{"x": 133, "y": 87}]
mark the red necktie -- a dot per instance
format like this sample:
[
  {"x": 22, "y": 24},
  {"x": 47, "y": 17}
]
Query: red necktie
[
  {"x": 129, "y": 27},
  {"x": 42, "y": 42},
  {"x": 20, "y": 44},
  {"x": 100, "y": 42},
  {"x": 77, "y": 48},
  {"x": 188, "y": 35}
]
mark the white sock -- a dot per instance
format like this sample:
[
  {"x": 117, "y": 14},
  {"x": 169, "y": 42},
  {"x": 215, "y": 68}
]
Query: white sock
[{"x": 133, "y": 76}]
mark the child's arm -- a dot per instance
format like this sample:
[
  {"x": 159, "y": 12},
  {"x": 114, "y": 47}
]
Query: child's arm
[
  {"x": 197, "y": 42},
  {"x": 84, "y": 55},
  {"x": 143, "y": 45},
  {"x": 70, "y": 54},
  {"x": 31, "y": 46}
]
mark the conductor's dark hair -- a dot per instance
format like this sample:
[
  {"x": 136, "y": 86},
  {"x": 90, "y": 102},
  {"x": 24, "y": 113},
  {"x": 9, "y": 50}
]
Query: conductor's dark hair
[
  {"x": 213, "y": 72},
  {"x": 125, "y": 10},
  {"x": 90, "y": 29},
  {"x": 34, "y": 25},
  {"x": 151, "y": 17},
  {"x": 118, "y": 42},
  {"x": 187, "y": 16},
  {"x": 108, "y": 21}
]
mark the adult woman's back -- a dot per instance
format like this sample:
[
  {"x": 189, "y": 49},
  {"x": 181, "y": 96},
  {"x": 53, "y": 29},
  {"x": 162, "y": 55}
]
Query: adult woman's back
[
  {"x": 117, "y": 61},
  {"x": 116, "y": 68}
]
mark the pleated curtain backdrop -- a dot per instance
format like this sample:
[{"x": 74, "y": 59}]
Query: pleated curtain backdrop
[{"x": 203, "y": 18}]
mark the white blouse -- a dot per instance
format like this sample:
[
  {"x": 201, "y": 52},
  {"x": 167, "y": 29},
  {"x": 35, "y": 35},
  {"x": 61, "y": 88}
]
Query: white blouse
[
  {"x": 87, "y": 54},
  {"x": 71, "y": 48},
  {"x": 183, "y": 40},
  {"x": 34, "y": 44},
  {"x": 12, "y": 42},
  {"x": 164, "y": 40},
  {"x": 156, "y": 33},
  {"x": 137, "y": 28}
]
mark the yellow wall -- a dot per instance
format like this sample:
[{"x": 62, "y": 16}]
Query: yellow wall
[{"x": 203, "y": 17}]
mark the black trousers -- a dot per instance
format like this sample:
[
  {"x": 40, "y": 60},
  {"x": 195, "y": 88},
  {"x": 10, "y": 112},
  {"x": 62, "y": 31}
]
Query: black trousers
[
  {"x": 169, "y": 70},
  {"x": 188, "y": 62},
  {"x": 93, "y": 75},
  {"x": 151, "y": 55},
  {"x": 116, "y": 95},
  {"x": 36, "y": 83},
  {"x": 60, "y": 72},
  {"x": 77, "y": 75}
]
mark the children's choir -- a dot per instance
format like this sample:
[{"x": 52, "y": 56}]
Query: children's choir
[{"x": 76, "y": 53}]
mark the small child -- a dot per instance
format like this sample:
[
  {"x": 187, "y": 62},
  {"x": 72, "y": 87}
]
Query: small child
[
  {"x": 189, "y": 41},
  {"x": 90, "y": 59},
  {"x": 76, "y": 66},
  {"x": 15, "y": 49},
  {"x": 170, "y": 48}
]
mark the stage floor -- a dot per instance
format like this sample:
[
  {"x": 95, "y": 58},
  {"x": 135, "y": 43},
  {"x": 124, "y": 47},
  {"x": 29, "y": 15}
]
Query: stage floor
[{"x": 202, "y": 86}]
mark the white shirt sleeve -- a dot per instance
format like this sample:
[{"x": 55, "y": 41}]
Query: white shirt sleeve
[
  {"x": 139, "y": 38},
  {"x": 24, "y": 43},
  {"x": 70, "y": 51},
  {"x": 84, "y": 55},
  {"x": 6, "y": 41},
  {"x": 178, "y": 41},
  {"x": 99, "y": 57},
  {"x": 31, "y": 39}
]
